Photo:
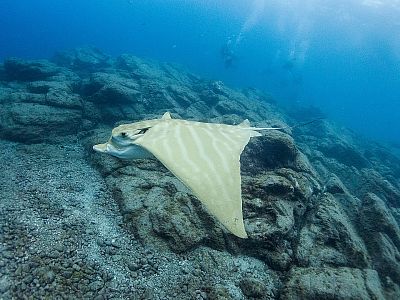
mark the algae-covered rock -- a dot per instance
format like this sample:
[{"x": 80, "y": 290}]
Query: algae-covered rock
[
  {"x": 111, "y": 88},
  {"x": 334, "y": 185},
  {"x": 344, "y": 153},
  {"x": 177, "y": 222},
  {"x": 33, "y": 122},
  {"x": 42, "y": 104},
  {"x": 29, "y": 70},
  {"x": 82, "y": 59},
  {"x": 333, "y": 283},
  {"x": 330, "y": 238},
  {"x": 254, "y": 288},
  {"x": 382, "y": 235},
  {"x": 272, "y": 150}
]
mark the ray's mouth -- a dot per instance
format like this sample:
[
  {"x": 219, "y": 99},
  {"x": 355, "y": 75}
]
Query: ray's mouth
[
  {"x": 107, "y": 147},
  {"x": 114, "y": 145}
]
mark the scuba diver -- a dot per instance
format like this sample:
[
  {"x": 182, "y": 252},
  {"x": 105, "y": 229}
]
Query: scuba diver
[{"x": 227, "y": 53}]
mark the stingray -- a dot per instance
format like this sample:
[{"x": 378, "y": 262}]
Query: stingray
[{"x": 204, "y": 156}]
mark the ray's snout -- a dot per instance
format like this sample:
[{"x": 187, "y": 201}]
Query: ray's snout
[{"x": 100, "y": 148}]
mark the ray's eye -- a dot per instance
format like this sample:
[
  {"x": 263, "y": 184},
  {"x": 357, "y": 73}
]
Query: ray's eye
[
  {"x": 143, "y": 130},
  {"x": 123, "y": 134}
]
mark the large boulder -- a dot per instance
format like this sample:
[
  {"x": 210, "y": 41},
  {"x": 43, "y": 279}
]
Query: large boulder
[
  {"x": 382, "y": 235},
  {"x": 330, "y": 238},
  {"x": 29, "y": 122},
  {"x": 29, "y": 70},
  {"x": 83, "y": 59},
  {"x": 38, "y": 102},
  {"x": 332, "y": 283}
]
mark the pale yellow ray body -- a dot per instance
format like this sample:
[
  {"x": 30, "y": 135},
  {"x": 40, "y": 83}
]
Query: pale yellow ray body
[{"x": 204, "y": 156}]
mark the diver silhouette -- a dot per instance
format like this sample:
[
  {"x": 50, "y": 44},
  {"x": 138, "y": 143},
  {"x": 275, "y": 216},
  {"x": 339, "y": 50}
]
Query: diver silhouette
[{"x": 228, "y": 54}]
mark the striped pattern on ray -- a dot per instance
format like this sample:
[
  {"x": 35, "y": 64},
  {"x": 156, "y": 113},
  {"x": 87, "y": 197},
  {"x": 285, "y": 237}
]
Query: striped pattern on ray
[{"x": 206, "y": 158}]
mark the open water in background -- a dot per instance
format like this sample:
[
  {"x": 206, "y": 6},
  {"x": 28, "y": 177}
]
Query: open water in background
[{"x": 341, "y": 56}]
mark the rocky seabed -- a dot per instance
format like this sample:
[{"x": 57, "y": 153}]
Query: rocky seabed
[{"x": 321, "y": 204}]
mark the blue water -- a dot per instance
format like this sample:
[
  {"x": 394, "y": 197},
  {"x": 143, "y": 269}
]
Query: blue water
[{"x": 340, "y": 56}]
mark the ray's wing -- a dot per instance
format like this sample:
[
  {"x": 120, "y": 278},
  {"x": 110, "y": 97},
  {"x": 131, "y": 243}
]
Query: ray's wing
[{"x": 206, "y": 158}]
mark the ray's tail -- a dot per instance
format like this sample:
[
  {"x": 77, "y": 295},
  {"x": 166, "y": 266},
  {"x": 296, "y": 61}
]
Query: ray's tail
[{"x": 288, "y": 127}]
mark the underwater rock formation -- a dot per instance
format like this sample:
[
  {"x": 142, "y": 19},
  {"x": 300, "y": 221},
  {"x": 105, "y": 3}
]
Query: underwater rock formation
[{"x": 321, "y": 205}]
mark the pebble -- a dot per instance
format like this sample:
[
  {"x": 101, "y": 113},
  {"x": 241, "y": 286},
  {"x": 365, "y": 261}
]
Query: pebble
[
  {"x": 49, "y": 276},
  {"x": 8, "y": 254},
  {"x": 95, "y": 285},
  {"x": 133, "y": 266},
  {"x": 53, "y": 254},
  {"x": 111, "y": 251},
  {"x": 67, "y": 274},
  {"x": 28, "y": 279},
  {"x": 5, "y": 284},
  {"x": 100, "y": 297}
]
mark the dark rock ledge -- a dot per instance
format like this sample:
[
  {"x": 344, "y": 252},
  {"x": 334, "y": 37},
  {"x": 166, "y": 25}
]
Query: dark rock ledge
[{"x": 321, "y": 205}]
